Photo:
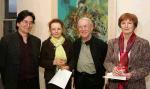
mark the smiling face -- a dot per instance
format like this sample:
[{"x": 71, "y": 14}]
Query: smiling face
[
  {"x": 128, "y": 23},
  {"x": 56, "y": 30},
  {"x": 85, "y": 28},
  {"x": 25, "y": 25},
  {"x": 127, "y": 26}
]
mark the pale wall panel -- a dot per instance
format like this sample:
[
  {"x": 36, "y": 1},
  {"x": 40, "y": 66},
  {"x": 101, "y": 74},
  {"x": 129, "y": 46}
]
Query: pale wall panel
[{"x": 112, "y": 20}]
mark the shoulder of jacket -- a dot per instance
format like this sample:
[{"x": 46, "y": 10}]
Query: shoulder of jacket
[
  {"x": 142, "y": 40},
  {"x": 98, "y": 41}
]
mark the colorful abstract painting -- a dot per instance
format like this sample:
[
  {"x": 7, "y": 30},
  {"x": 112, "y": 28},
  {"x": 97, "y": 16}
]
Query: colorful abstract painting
[{"x": 71, "y": 10}]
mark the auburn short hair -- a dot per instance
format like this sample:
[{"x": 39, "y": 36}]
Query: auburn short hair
[{"x": 129, "y": 16}]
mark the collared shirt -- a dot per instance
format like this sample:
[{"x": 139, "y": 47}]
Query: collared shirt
[{"x": 85, "y": 61}]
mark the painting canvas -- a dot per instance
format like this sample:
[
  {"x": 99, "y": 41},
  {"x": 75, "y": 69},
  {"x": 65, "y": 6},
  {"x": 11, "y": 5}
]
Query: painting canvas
[{"x": 69, "y": 11}]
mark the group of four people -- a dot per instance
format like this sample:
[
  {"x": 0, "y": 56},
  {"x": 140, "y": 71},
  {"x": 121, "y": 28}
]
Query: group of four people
[{"x": 88, "y": 57}]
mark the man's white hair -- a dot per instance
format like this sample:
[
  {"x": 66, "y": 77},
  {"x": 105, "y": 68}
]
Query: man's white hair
[{"x": 86, "y": 18}]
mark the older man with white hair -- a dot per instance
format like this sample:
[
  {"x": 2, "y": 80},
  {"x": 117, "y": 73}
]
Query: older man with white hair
[{"x": 89, "y": 54}]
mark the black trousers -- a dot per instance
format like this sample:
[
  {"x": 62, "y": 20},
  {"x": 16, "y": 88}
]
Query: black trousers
[
  {"x": 32, "y": 83},
  {"x": 87, "y": 81}
]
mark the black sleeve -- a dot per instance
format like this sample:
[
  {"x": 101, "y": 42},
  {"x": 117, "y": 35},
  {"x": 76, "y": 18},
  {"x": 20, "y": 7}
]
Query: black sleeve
[
  {"x": 3, "y": 53},
  {"x": 104, "y": 47}
]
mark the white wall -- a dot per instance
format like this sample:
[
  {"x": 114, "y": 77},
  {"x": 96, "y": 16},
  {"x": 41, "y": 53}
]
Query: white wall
[{"x": 44, "y": 11}]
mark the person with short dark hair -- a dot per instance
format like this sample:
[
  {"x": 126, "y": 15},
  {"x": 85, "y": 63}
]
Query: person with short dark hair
[
  {"x": 128, "y": 56},
  {"x": 19, "y": 55},
  {"x": 89, "y": 55},
  {"x": 56, "y": 53}
]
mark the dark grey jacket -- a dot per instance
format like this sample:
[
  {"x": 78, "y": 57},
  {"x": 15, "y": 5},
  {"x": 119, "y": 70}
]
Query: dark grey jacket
[{"x": 9, "y": 58}]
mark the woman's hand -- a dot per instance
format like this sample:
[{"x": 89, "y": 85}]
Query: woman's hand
[
  {"x": 59, "y": 62},
  {"x": 118, "y": 71},
  {"x": 65, "y": 67},
  {"x": 128, "y": 75}
]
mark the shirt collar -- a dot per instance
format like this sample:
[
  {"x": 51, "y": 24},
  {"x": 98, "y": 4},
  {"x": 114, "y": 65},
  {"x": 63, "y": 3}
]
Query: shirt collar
[
  {"x": 20, "y": 37},
  {"x": 89, "y": 41}
]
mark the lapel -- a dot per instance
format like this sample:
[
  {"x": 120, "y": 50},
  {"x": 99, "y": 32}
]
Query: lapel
[
  {"x": 77, "y": 48},
  {"x": 93, "y": 49},
  {"x": 33, "y": 45},
  {"x": 132, "y": 51},
  {"x": 15, "y": 47},
  {"x": 116, "y": 50},
  {"x": 94, "y": 53}
]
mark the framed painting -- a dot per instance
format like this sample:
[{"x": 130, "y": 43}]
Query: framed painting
[{"x": 70, "y": 11}]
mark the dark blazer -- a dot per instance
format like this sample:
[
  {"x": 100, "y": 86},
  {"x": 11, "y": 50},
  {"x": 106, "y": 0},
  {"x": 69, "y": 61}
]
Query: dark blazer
[
  {"x": 98, "y": 51},
  {"x": 9, "y": 58},
  {"x": 139, "y": 62},
  {"x": 48, "y": 54}
]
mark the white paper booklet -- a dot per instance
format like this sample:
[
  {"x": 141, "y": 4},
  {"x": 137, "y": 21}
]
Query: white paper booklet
[
  {"x": 61, "y": 78},
  {"x": 111, "y": 76}
]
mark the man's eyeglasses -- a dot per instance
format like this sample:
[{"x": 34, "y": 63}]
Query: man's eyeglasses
[{"x": 28, "y": 22}]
